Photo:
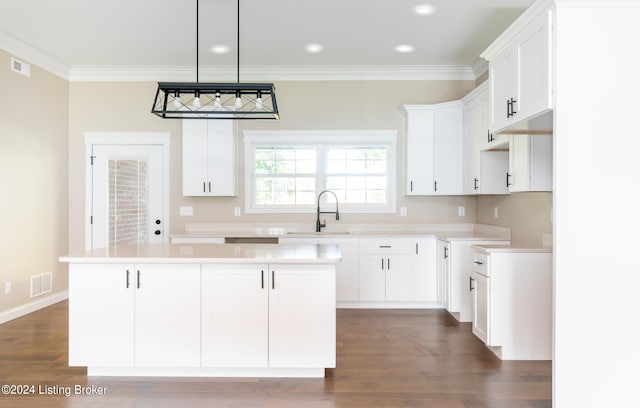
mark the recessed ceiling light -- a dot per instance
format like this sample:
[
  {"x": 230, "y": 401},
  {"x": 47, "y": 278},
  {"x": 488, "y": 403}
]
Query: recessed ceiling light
[
  {"x": 404, "y": 48},
  {"x": 424, "y": 9},
  {"x": 219, "y": 49},
  {"x": 313, "y": 48}
]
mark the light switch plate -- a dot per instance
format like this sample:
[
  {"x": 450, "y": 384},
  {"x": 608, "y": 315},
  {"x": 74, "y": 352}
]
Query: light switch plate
[
  {"x": 236, "y": 211},
  {"x": 495, "y": 212},
  {"x": 461, "y": 211},
  {"x": 186, "y": 211},
  {"x": 403, "y": 211},
  {"x": 7, "y": 288}
]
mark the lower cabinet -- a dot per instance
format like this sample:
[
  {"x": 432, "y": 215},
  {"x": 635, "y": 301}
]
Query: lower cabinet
[
  {"x": 443, "y": 270},
  {"x": 512, "y": 303},
  {"x": 268, "y": 316},
  {"x": 459, "y": 290},
  {"x": 119, "y": 315}
]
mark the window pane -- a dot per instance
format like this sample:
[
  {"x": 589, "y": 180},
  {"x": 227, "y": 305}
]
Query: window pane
[
  {"x": 356, "y": 166},
  {"x": 376, "y": 166}
]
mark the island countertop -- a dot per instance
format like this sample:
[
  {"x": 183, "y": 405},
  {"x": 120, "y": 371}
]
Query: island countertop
[{"x": 210, "y": 253}]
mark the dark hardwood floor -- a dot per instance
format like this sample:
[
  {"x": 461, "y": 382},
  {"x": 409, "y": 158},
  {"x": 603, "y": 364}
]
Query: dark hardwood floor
[{"x": 386, "y": 358}]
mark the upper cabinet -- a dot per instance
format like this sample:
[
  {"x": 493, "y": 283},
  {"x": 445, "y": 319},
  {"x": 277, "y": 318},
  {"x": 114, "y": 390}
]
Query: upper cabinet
[
  {"x": 434, "y": 149},
  {"x": 530, "y": 163},
  {"x": 208, "y": 158},
  {"x": 484, "y": 169},
  {"x": 520, "y": 75}
]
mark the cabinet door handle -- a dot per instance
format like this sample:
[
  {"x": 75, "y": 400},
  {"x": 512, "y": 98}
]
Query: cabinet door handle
[
  {"x": 475, "y": 183},
  {"x": 273, "y": 279},
  {"x": 128, "y": 282},
  {"x": 204, "y": 186},
  {"x": 382, "y": 263},
  {"x": 262, "y": 278},
  {"x": 509, "y": 108},
  {"x": 488, "y": 136},
  {"x": 411, "y": 186},
  {"x": 209, "y": 186},
  {"x": 416, "y": 248},
  {"x": 435, "y": 185},
  {"x": 508, "y": 180},
  {"x": 513, "y": 103},
  {"x": 471, "y": 287},
  {"x": 138, "y": 276},
  {"x": 388, "y": 263}
]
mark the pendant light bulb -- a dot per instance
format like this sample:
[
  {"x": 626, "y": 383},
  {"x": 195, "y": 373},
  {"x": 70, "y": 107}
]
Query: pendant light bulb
[
  {"x": 238, "y": 103},
  {"x": 196, "y": 101},
  {"x": 259, "y": 105},
  {"x": 217, "y": 104},
  {"x": 176, "y": 100}
]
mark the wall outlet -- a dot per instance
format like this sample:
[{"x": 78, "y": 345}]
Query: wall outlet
[
  {"x": 461, "y": 211},
  {"x": 495, "y": 212},
  {"x": 7, "y": 288},
  {"x": 186, "y": 211},
  {"x": 403, "y": 211},
  {"x": 236, "y": 211}
]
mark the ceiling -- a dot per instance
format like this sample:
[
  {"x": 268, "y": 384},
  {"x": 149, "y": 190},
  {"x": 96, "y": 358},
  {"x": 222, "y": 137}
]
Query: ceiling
[{"x": 162, "y": 33}]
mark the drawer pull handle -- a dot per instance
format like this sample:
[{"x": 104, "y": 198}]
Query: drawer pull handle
[
  {"x": 477, "y": 262},
  {"x": 385, "y": 246}
]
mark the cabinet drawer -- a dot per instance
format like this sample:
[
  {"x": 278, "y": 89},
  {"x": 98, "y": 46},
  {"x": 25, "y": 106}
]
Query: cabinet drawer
[
  {"x": 387, "y": 246},
  {"x": 480, "y": 262}
]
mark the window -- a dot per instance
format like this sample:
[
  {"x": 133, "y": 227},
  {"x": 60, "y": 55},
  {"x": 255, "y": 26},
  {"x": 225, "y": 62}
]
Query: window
[{"x": 285, "y": 171}]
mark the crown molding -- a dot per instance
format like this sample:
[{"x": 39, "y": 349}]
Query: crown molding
[
  {"x": 514, "y": 30},
  {"x": 479, "y": 67},
  {"x": 272, "y": 73},
  {"x": 32, "y": 55}
]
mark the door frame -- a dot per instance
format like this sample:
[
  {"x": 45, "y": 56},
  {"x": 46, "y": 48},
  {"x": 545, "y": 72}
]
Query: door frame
[{"x": 124, "y": 138}]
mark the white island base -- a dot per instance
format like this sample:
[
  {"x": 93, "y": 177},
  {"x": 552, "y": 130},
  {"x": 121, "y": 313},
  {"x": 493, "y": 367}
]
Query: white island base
[{"x": 207, "y": 310}]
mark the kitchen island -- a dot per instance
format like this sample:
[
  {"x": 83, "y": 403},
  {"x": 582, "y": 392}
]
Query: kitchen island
[{"x": 203, "y": 310}]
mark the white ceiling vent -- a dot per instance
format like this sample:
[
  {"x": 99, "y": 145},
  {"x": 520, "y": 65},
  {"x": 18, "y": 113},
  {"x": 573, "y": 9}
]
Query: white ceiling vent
[{"x": 20, "y": 67}]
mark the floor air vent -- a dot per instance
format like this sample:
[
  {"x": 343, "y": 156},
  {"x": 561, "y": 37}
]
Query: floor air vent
[{"x": 41, "y": 284}]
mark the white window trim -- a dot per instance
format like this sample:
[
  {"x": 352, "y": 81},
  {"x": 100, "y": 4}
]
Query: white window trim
[{"x": 269, "y": 138}]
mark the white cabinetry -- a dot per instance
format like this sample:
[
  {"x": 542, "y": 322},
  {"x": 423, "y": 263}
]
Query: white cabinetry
[
  {"x": 442, "y": 267},
  {"x": 387, "y": 270},
  {"x": 512, "y": 307},
  {"x": 520, "y": 72},
  {"x": 530, "y": 163},
  {"x": 484, "y": 169},
  {"x": 208, "y": 158},
  {"x": 460, "y": 296},
  {"x": 268, "y": 316},
  {"x": 302, "y": 316},
  {"x": 119, "y": 315},
  {"x": 425, "y": 271},
  {"x": 434, "y": 149},
  {"x": 235, "y": 316}
]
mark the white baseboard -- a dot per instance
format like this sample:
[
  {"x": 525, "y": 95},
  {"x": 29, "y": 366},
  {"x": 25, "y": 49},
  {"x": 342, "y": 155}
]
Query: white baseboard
[
  {"x": 31, "y": 307},
  {"x": 388, "y": 305}
]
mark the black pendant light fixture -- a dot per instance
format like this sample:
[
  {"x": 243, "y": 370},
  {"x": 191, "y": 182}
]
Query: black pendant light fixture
[{"x": 204, "y": 100}]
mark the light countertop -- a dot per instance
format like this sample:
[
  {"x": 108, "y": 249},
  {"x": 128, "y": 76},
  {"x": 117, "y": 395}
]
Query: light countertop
[
  {"x": 467, "y": 232},
  {"x": 488, "y": 249},
  {"x": 211, "y": 253}
]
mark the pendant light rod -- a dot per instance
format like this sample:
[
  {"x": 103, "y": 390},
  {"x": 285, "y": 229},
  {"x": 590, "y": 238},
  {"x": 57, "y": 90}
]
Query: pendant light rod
[
  {"x": 197, "y": 41},
  {"x": 238, "y": 45}
]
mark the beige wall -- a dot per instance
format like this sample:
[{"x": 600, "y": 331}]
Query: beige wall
[
  {"x": 303, "y": 105},
  {"x": 527, "y": 214},
  {"x": 33, "y": 180}
]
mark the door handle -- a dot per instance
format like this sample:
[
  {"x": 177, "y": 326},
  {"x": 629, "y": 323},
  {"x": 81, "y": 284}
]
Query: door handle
[
  {"x": 262, "y": 279},
  {"x": 508, "y": 180},
  {"x": 138, "y": 276},
  {"x": 471, "y": 287},
  {"x": 273, "y": 279},
  {"x": 157, "y": 232},
  {"x": 128, "y": 282}
]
